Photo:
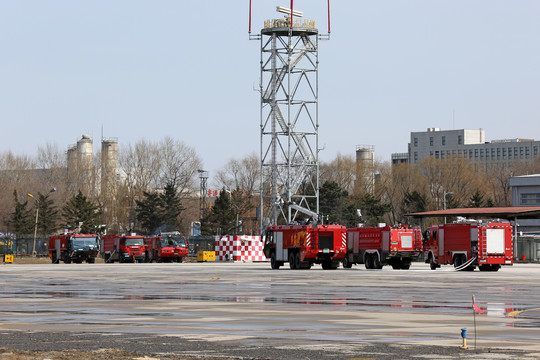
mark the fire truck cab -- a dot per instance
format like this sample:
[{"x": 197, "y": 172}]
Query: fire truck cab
[
  {"x": 168, "y": 246},
  {"x": 73, "y": 247},
  {"x": 123, "y": 248},
  {"x": 305, "y": 245}
]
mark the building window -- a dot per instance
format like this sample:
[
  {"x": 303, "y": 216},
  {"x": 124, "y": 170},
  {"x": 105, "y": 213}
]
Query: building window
[
  {"x": 415, "y": 157},
  {"x": 444, "y": 140},
  {"x": 442, "y": 155},
  {"x": 504, "y": 153},
  {"x": 498, "y": 153},
  {"x": 431, "y": 141},
  {"x": 535, "y": 150},
  {"x": 476, "y": 153},
  {"x": 415, "y": 141},
  {"x": 530, "y": 199},
  {"x": 460, "y": 140},
  {"x": 481, "y": 153},
  {"x": 527, "y": 153},
  {"x": 515, "y": 153}
]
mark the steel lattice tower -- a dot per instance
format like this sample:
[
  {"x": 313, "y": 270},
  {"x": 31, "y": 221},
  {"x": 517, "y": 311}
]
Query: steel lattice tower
[{"x": 289, "y": 120}]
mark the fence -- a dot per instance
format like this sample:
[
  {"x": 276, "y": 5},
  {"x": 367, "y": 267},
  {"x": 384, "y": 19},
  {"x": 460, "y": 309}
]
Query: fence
[
  {"x": 24, "y": 244},
  {"x": 201, "y": 243}
]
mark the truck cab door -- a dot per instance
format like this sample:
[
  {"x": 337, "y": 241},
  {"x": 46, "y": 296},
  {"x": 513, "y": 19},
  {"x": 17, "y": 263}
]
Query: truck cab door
[{"x": 268, "y": 238}]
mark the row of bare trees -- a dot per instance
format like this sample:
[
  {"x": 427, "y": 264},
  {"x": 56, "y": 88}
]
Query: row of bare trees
[
  {"x": 149, "y": 167},
  {"x": 143, "y": 167}
]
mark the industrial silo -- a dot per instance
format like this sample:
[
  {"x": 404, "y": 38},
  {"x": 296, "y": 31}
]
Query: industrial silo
[{"x": 365, "y": 169}]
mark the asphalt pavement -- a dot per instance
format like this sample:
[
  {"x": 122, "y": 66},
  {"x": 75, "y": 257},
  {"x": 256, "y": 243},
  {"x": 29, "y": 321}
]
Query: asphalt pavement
[{"x": 247, "y": 310}]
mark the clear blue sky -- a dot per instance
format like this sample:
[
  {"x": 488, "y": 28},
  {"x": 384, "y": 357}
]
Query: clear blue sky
[{"x": 186, "y": 69}]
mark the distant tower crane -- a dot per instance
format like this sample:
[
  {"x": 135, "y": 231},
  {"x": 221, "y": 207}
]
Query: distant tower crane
[{"x": 289, "y": 117}]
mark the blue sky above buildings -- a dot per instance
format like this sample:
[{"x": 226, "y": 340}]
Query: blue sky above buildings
[{"x": 186, "y": 69}]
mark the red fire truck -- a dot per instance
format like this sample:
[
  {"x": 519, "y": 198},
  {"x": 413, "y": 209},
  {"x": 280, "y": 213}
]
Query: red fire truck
[
  {"x": 375, "y": 247},
  {"x": 168, "y": 246},
  {"x": 305, "y": 245},
  {"x": 73, "y": 247},
  {"x": 487, "y": 245},
  {"x": 123, "y": 248}
]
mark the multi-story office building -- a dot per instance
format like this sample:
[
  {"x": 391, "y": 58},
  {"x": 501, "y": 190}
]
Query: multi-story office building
[{"x": 469, "y": 144}]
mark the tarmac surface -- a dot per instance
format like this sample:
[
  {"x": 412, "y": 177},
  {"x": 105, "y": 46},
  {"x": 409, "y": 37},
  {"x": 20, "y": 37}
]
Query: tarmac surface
[{"x": 248, "y": 311}]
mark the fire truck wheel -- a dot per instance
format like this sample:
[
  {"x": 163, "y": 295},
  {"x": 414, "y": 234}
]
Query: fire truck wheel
[
  {"x": 292, "y": 261},
  {"x": 396, "y": 266},
  {"x": 368, "y": 261},
  {"x": 273, "y": 262},
  {"x": 67, "y": 260},
  {"x": 458, "y": 261},
  {"x": 54, "y": 259},
  {"x": 432, "y": 264},
  {"x": 346, "y": 263},
  {"x": 405, "y": 266},
  {"x": 484, "y": 267},
  {"x": 297, "y": 261},
  {"x": 376, "y": 262},
  {"x": 91, "y": 260},
  {"x": 180, "y": 259},
  {"x": 329, "y": 265}
]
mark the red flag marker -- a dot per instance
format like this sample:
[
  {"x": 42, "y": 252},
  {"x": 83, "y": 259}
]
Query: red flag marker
[{"x": 475, "y": 307}]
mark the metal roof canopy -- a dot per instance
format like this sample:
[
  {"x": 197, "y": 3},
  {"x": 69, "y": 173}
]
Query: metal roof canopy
[{"x": 511, "y": 212}]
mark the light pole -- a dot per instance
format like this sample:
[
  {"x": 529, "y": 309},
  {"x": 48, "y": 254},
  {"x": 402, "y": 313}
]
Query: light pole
[
  {"x": 444, "y": 201},
  {"x": 37, "y": 215},
  {"x": 237, "y": 210},
  {"x": 35, "y": 227}
]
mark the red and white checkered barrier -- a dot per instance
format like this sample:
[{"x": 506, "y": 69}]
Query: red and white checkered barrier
[{"x": 239, "y": 248}]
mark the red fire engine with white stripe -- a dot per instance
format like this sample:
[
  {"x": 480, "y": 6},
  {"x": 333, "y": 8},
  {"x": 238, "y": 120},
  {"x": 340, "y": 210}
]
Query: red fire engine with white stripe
[
  {"x": 305, "y": 245},
  {"x": 375, "y": 247},
  {"x": 468, "y": 243}
]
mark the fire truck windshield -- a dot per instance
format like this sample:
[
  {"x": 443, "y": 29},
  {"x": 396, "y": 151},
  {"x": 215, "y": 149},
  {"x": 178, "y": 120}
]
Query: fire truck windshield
[
  {"x": 134, "y": 242},
  {"x": 84, "y": 242},
  {"x": 179, "y": 241}
]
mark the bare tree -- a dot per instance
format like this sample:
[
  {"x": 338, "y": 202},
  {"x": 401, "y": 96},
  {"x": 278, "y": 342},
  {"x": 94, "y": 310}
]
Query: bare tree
[
  {"x": 149, "y": 166},
  {"x": 341, "y": 170},
  {"x": 180, "y": 164},
  {"x": 241, "y": 179}
]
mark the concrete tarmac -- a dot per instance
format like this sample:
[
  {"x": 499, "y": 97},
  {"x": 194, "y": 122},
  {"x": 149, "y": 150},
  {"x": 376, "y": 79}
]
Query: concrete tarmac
[{"x": 249, "y": 304}]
